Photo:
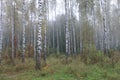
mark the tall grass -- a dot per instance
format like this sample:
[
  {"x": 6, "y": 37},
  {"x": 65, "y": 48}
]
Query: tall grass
[{"x": 96, "y": 67}]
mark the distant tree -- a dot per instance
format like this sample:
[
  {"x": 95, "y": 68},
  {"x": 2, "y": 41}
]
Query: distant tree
[
  {"x": 67, "y": 34},
  {"x": 45, "y": 30},
  {"x": 87, "y": 33},
  {"x": 1, "y": 30},
  {"x": 58, "y": 39},
  {"x": 54, "y": 14},
  {"x": 24, "y": 29},
  {"x": 73, "y": 28},
  {"x": 105, "y": 26},
  {"x": 35, "y": 29},
  {"x": 13, "y": 30},
  {"x": 35, "y": 36}
]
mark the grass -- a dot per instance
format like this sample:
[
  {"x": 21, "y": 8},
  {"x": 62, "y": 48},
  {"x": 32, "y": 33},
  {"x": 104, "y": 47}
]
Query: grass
[{"x": 57, "y": 70}]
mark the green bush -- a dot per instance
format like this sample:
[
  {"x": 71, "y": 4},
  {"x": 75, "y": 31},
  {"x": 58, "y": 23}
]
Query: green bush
[
  {"x": 114, "y": 58},
  {"x": 97, "y": 57},
  {"x": 93, "y": 56}
]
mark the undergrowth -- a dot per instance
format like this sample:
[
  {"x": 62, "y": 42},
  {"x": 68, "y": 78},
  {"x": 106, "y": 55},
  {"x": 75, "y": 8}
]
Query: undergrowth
[{"x": 56, "y": 69}]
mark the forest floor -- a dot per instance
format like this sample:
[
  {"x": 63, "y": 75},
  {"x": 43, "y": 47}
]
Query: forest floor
[{"x": 56, "y": 69}]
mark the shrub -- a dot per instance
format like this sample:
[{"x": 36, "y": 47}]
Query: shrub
[
  {"x": 97, "y": 57},
  {"x": 93, "y": 56},
  {"x": 114, "y": 58}
]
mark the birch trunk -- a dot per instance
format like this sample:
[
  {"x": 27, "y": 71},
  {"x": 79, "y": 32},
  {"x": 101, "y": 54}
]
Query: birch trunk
[
  {"x": 54, "y": 17},
  {"x": 39, "y": 35},
  {"x": 1, "y": 32},
  {"x": 23, "y": 34},
  {"x": 67, "y": 34},
  {"x": 35, "y": 36},
  {"x": 12, "y": 25},
  {"x": 103, "y": 7},
  {"x": 45, "y": 30}
]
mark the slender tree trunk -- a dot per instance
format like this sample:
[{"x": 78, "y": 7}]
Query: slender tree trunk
[
  {"x": 54, "y": 36},
  {"x": 102, "y": 6},
  {"x": 58, "y": 50},
  {"x": 1, "y": 32},
  {"x": 15, "y": 37},
  {"x": 31, "y": 26},
  {"x": 108, "y": 25},
  {"x": 13, "y": 31},
  {"x": 67, "y": 34},
  {"x": 119, "y": 19},
  {"x": 48, "y": 29},
  {"x": 39, "y": 36},
  {"x": 57, "y": 31},
  {"x": 54, "y": 1},
  {"x": 24, "y": 27},
  {"x": 74, "y": 41},
  {"x": 73, "y": 35},
  {"x": 45, "y": 30},
  {"x": 35, "y": 36},
  {"x": 80, "y": 28}
]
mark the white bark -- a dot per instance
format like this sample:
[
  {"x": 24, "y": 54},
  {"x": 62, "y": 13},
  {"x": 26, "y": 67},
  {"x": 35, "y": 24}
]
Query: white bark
[
  {"x": 39, "y": 35},
  {"x": 34, "y": 36},
  {"x": 1, "y": 31},
  {"x": 103, "y": 12},
  {"x": 12, "y": 25},
  {"x": 118, "y": 37},
  {"x": 58, "y": 50},
  {"x": 31, "y": 25},
  {"x": 67, "y": 34},
  {"x": 23, "y": 34},
  {"x": 45, "y": 29},
  {"x": 73, "y": 27},
  {"x": 54, "y": 16},
  {"x": 74, "y": 40}
]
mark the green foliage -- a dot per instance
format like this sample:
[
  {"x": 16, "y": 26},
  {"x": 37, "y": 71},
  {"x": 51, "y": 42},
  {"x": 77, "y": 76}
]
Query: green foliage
[
  {"x": 87, "y": 34},
  {"x": 92, "y": 56},
  {"x": 55, "y": 70},
  {"x": 114, "y": 58},
  {"x": 96, "y": 56}
]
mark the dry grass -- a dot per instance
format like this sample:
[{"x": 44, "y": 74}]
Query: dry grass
[{"x": 56, "y": 69}]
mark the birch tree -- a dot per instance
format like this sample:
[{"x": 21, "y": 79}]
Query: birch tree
[
  {"x": 1, "y": 30},
  {"x": 58, "y": 45},
  {"x": 73, "y": 27},
  {"x": 23, "y": 26},
  {"x": 54, "y": 14},
  {"x": 45, "y": 30},
  {"x": 39, "y": 35},
  {"x": 35, "y": 35},
  {"x": 105, "y": 29},
  {"x": 67, "y": 34},
  {"x": 13, "y": 31}
]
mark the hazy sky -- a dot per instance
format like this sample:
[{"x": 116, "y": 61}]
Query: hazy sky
[
  {"x": 113, "y": 2},
  {"x": 60, "y": 9}
]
